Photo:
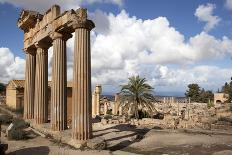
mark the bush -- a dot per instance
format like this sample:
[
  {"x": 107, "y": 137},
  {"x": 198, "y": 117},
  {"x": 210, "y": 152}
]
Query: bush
[
  {"x": 17, "y": 134},
  {"x": 107, "y": 117},
  {"x": 109, "y": 112},
  {"x": 20, "y": 123},
  {"x": 143, "y": 114},
  {"x": 210, "y": 104},
  {"x": 20, "y": 110},
  {"x": 5, "y": 119}
]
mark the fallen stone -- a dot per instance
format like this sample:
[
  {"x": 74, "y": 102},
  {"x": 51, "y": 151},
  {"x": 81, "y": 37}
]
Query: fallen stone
[{"x": 104, "y": 121}]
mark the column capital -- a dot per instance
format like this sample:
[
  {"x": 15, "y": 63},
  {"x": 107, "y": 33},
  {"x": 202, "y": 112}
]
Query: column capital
[
  {"x": 42, "y": 45},
  {"x": 29, "y": 51},
  {"x": 86, "y": 24},
  {"x": 56, "y": 35}
]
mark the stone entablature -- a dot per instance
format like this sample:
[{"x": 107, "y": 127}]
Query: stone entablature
[{"x": 39, "y": 28}]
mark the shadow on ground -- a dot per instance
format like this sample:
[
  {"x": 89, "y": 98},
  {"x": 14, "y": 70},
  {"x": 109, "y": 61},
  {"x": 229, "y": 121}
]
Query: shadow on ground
[
  {"x": 42, "y": 150},
  {"x": 136, "y": 135}
]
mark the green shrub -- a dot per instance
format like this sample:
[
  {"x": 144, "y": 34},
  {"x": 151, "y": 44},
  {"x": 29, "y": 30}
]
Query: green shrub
[
  {"x": 20, "y": 110},
  {"x": 20, "y": 123},
  {"x": 5, "y": 119},
  {"x": 142, "y": 114},
  {"x": 16, "y": 134},
  {"x": 210, "y": 104},
  {"x": 109, "y": 112},
  {"x": 107, "y": 117}
]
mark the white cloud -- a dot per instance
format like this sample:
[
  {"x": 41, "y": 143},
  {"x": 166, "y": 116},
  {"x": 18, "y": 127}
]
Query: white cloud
[
  {"x": 134, "y": 46},
  {"x": 228, "y": 4},
  {"x": 204, "y": 13},
  {"x": 11, "y": 67},
  {"x": 204, "y": 75},
  {"x": 123, "y": 46},
  {"x": 43, "y": 5}
]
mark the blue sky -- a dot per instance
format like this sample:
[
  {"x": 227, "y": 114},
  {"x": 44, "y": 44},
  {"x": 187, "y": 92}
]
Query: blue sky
[{"x": 177, "y": 47}]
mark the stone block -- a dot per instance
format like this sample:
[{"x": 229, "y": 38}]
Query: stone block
[{"x": 104, "y": 121}]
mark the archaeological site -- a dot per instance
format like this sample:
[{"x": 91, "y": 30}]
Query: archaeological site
[{"x": 93, "y": 82}]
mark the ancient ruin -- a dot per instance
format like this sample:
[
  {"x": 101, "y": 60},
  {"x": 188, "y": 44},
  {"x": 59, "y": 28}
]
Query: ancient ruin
[{"x": 40, "y": 33}]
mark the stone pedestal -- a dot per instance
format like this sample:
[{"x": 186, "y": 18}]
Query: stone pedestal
[
  {"x": 82, "y": 106},
  {"x": 59, "y": 84},
  {"x": 29, "y": 85},
  {"x": 41, "y": 85}
]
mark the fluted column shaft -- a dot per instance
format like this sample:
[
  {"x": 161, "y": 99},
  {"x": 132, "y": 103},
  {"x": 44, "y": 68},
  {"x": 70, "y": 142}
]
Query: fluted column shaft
[
  {"x": 94, "y": 106},
  {"x": 29, "y": 85},
  {"x": 59, "y": 84},
  {"x": 82, "y": 107},
  {"x": 41, "y": 86},
  {"x": 97, "y": 104}
]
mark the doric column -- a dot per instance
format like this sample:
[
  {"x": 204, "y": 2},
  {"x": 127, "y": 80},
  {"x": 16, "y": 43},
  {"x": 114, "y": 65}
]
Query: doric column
[
  {"x": 116, "y": 104},
  {"x": 98, "y": 90},
  {"x": 94, "y": 104},
  {"x": 29, "y": 88},
  {"x": 105, "y": 108},
  {"x": 41, "y": 85},
  {"x": 82, "y": 106},
  {"x": 59, "y": 83}
]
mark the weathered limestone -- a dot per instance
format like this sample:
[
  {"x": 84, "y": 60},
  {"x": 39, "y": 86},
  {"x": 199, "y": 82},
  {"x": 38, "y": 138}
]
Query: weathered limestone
[
  {"x": 41, "y": 85},
  {"x": 116, "y": 105},
  {"x": 59, "y": 83},
  {"x": 29, "y": 85},
  {"x": 105, "y": 108},
  {"x": 40, "y": 32},
  {"x": 82, "y": 106},
  {"x": 96, "y": 100}
]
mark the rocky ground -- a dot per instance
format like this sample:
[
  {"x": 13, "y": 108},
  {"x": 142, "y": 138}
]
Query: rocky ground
[
  {"x": 202, "y": 131},
  {"x": 136, "y": 140}
]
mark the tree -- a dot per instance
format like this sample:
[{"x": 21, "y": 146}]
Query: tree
[
  {"x": 227, "y": 89},
  {"x": 193, "y": 92},
  {"x": 137, "y": 94},
  {"x": 206, "y": 96}
]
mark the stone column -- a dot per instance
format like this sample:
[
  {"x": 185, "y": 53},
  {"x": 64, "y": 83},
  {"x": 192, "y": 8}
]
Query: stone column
[
  {"x": 94, "y": 104},
  {"x": 82, "y": 106},
  {"x": 105, "y": 108},
  {"x": 116, "y": 104},
  {"x": 29, "y": 84},
  {"x": 98, "y": 90},
  {"x": 120, "y": 111},
  {"x": 41, "y": 85},
  {"x": 59, "y": 83}
]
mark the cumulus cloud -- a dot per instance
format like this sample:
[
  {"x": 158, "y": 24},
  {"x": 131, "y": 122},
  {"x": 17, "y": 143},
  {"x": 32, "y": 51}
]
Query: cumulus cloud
[
  {"x": 11, "y": 67},
  {"x": 123, "y": 46},
  {"x": 228, "y": 4},
  {"x": 43, "y": 5},
  {"x": 204, "y": 13}
]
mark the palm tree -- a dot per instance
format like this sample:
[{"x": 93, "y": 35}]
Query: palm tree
[{"x": 137, "y": 94}]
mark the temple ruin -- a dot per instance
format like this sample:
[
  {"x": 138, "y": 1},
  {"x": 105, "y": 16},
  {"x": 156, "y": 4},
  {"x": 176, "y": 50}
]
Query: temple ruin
[{"x": 40, "y": 33}]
